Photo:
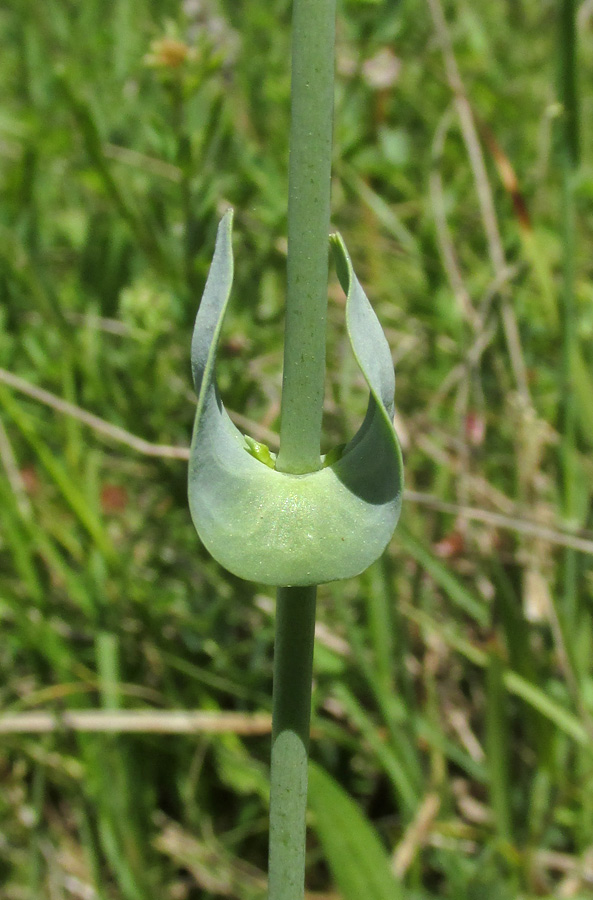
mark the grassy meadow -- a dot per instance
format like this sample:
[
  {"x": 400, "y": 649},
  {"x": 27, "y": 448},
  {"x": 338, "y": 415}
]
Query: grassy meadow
[{"x": 452, "y": 730}]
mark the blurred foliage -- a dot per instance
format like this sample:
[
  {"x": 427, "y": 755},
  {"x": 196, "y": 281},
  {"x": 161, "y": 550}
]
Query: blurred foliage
[{"x": 455, "y": 667}]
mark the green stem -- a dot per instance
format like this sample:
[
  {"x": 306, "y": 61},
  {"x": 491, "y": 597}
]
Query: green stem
[
  {"x": 569, "y": 157},
  {"x": 569, "y": 95},
  {"x": 293, "y": 669},
  {"x": 497, "y": 744},
  {"x": 312, "y": 89},
  {"x": 568, "y": 409}
]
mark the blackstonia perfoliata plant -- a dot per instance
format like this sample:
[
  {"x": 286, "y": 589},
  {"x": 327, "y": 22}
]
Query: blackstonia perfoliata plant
[
  {"x": 296, "y": 520},
  {"x": 292, "y": 530},
  {"x": 274, "y": 527}
]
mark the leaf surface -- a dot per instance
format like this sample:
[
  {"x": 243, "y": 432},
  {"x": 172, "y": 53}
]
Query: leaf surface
[
  {"x": 358, "y": 861},
  {"x": 274, "y": 527}
]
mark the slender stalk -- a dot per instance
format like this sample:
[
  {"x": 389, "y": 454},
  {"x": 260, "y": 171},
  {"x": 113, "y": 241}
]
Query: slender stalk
[
  {"x": 567, "y": 49},
  {"x": 293, "y": 668},
  {"x": 569, "y": 161},
  {"x": 312, "y": 90},
  {"x": 497, "y": 743},
  {"x": 568, "y": 410}
]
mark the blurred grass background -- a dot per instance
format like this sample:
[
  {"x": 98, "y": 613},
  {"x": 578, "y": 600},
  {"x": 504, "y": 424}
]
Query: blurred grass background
[{"x": 453, "y": 697}]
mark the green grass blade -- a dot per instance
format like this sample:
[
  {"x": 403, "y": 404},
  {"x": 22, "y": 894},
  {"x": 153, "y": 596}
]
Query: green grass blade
[
  {"x": 59, "y": 475},
  {"x": 358, "y": 861},
  {"x": 565, "y": 720},
  {"x": 497, "y": 745},
  {"x": 442, "y": 576},
  {"x": 395, "y": 764},
  {"x": 583, "y": 387}
]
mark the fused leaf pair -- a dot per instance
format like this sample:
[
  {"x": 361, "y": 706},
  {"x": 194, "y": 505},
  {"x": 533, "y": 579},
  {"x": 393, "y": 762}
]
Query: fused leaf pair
[{"x": 277, "y": 528}]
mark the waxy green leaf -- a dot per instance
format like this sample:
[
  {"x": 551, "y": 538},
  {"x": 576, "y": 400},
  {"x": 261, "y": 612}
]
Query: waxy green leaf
[{"x": 274, "y": 527}]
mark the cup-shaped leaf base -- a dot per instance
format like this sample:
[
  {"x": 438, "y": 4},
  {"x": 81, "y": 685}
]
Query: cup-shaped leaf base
[{"x": 278, "y": 528}]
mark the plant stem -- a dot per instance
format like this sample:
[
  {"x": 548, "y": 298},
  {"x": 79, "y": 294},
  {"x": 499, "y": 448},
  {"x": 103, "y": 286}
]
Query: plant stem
[
  {"x": 569, "y": 161},
  {"x": 497, "y": 743},
  {"x": 567, "y": 48},
  {"x": 312, "y": 89},
  {"x": 293, "y": 668}
]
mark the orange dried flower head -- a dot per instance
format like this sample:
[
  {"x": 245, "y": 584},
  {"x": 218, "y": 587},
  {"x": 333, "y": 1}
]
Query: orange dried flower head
[{"x": 168, "y": 53}]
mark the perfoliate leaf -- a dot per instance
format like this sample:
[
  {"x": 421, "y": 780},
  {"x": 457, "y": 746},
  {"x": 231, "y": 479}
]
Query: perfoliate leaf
[{"x": 274, "y": 527}]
